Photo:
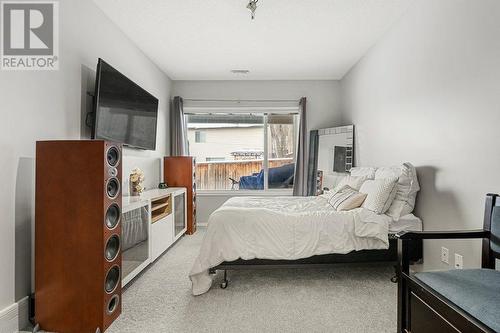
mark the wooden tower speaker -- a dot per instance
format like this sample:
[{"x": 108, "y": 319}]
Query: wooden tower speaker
[
  {"x": 78, "y": 235},
  {"x": 181, "y": 171}
]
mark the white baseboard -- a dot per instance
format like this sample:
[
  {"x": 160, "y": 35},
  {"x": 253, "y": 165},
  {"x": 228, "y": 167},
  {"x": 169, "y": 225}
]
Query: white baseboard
[{"x": 15, "y": 317}]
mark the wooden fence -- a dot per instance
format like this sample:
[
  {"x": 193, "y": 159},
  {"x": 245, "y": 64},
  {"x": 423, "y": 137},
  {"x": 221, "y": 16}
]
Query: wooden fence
[{"x": 215, "y": 175}]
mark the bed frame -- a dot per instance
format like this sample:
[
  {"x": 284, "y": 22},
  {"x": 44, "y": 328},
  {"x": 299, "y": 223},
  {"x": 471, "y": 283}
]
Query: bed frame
[{"x": 389, "y": 256}]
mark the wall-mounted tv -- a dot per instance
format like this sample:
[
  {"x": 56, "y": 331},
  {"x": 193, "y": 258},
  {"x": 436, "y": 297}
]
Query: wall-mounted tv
[{"x": 123, "y": 111}]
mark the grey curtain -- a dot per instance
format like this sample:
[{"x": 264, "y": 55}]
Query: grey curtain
[
  {"x": 300, "y": 177},
  {"x": 178, "y": 130}
]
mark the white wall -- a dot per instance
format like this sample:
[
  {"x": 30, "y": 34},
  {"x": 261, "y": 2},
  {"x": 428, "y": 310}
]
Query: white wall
[
  {"x": 38, "y": 105},
  {"x": 323, "y": 108},
  {"x": 429, "y": 93}
]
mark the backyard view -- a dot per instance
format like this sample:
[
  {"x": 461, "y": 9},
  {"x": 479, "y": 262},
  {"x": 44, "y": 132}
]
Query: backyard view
[{"x": 230, "y": 154}]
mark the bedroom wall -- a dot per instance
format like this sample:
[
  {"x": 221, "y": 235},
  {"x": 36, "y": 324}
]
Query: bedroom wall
[
  {"x": 429, "y": 93},
  {"x": 38, "y": 105},
  {"x": 323, "y": 110}
]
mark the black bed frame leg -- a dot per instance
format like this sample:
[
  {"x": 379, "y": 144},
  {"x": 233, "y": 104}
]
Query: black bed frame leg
[
  {"x": 394, "y": 278},
  {"x": 225, "y": 282}
]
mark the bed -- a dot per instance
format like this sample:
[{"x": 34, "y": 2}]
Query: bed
[{"x": 253, "y": 232}]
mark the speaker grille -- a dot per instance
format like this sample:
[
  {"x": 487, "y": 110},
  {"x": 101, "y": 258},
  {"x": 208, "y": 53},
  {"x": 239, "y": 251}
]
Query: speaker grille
[
  {"x": 112, "y": 248},
  {"x": 113, "y": 187},
  {"x": 113, "y": 304},
  {"x": 113, "y": 156},
  {"x": 113, "y": 214},
  {"x": 112, "y": 279}
]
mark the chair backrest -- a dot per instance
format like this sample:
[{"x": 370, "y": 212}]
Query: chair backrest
[{"x": 491, "y": 246}]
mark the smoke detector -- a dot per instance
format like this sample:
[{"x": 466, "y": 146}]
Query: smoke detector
[{"x": 240, "y": 71}]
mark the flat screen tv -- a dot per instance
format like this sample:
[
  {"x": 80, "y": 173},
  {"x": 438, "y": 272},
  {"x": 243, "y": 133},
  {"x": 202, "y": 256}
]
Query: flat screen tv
[{"x": 124, "y": 112}]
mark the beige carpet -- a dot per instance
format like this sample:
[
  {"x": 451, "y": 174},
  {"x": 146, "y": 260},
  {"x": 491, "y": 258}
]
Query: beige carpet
[{"x": 348, "y": 298}]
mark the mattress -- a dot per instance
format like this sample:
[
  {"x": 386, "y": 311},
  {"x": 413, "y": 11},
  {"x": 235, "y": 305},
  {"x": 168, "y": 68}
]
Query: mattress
[
  {"x": 406, "y": 223},
  {"x": 284, "y": 228}
]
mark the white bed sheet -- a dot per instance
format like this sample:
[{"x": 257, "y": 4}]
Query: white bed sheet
[
  {"x": 408, "y": 222},
  {"x": 283, "y": 228}
]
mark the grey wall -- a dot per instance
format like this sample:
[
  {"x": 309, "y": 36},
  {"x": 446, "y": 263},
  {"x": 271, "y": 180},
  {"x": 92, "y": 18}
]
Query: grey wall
[
  {"x": 323, "y": 102},
  {"x": 38, "y": 105},
  {"x": 429, "y": 93}
]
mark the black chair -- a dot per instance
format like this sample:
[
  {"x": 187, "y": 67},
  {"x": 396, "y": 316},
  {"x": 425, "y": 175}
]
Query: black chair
[{"x": 452, "y": 301}]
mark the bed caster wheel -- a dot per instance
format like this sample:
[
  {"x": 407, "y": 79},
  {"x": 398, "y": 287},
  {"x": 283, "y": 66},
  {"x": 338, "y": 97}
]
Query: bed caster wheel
[
  {"x": 394, "y": 279},
  {"x": 223, "y": 285}
]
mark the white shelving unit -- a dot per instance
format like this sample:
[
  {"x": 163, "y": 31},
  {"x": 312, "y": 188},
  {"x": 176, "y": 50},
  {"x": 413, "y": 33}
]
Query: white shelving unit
[{"x": 165, "y": 221}]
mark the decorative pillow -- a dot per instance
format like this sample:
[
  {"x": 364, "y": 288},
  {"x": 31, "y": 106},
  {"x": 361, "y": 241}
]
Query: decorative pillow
[
  {"x": 406, "y": 188},
  {"x": 353, "y": 182},
  {"x": 346, "y": 198},
  {"x": 368, "y": 172},
  {"x": 378, "y": 194}
]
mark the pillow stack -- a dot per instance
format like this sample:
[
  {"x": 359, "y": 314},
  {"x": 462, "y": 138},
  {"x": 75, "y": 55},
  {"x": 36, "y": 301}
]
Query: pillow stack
[
  {"x": 390, "y": 190},
  {"x": 406, "y": 189}
]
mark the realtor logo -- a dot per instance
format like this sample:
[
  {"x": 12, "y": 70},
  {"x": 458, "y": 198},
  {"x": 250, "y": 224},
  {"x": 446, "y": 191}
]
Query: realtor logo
[{"x": 29, "y": 35}]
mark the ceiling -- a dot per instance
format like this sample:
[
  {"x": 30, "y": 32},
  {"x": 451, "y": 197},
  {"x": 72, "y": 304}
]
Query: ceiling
[{"x": 288, "y": 40}]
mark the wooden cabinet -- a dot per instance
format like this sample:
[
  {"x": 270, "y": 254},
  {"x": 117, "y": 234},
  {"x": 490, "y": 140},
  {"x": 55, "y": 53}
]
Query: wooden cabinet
[{"x": 180, "y": 171}]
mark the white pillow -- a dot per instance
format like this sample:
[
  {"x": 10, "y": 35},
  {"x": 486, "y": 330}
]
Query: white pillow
[
  {"x": 327, "y": 194},
  {"x": 363, "y": 172},
  {"x": 346, "y": 198},
  {"x": 406, "y": 188},
  {"x": 378, "y": 194},
  {"x": 331, "y": 181},
  {"x": 353, "y": 182}
]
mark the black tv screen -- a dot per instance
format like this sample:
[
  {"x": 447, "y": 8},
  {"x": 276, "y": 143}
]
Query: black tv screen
[{"x": 124, "y": 112}]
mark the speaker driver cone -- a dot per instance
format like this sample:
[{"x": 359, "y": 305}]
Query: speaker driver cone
[
  {"x": 112, "y": 279},
  {"x": 113, "y": 156},
  {"x": 112, "y": 188},
  {"x": 112, "y": 248},
  {"x": 113, "y": 304},
  {"x": 112, "y": 216}
]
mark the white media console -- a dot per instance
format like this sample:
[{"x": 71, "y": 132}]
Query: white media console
[{"x": 151, "y": 223}]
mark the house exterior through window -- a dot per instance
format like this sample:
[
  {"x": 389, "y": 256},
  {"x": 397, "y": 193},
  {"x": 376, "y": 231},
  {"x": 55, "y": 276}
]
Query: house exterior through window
[{"x": 244, "y": 150}]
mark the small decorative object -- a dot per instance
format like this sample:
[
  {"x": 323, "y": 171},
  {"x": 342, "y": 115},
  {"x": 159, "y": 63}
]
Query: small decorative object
[
  {"x": 162, "y": 185},
  {"x": 136, "y": 179}
]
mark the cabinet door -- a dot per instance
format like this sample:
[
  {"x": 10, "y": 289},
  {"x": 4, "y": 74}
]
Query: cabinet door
[
  {"x": 180, "y": 214},
  {"x": 161, "y": 236}
]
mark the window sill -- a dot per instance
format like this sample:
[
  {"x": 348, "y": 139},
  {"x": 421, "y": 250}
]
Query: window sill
[{"x": 245, "y": 193}]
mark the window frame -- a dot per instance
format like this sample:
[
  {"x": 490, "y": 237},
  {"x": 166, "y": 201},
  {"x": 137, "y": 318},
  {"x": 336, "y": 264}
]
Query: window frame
[{"x": 265, "y": 112}]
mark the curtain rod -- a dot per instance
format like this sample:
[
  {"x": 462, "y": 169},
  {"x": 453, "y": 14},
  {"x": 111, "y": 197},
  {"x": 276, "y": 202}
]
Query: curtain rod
[{"x": 241, "y": 100}]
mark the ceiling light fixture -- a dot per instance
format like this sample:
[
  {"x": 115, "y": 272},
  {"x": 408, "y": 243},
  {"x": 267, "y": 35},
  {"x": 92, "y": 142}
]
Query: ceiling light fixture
[{"x": 252, "y": 7}]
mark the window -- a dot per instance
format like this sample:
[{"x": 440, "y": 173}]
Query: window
[
  {"x": 200, "y": 136},
  {"x": 243, "y": 151}
]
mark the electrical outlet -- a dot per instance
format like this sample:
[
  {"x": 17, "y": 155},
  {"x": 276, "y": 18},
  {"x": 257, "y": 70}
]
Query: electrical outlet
[
  {"x": 445, "y": 255},
  {"x": 459, "y": 261}
]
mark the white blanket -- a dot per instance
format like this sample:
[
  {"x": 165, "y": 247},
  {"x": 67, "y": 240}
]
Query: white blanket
[{"x": 283, "y": 228}]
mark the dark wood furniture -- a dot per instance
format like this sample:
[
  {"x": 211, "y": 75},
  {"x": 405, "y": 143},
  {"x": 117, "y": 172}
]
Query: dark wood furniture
[
  {"x": 389, "y": 256},
  {"x": 77, "y": 235},
  {"x": 424, "y": 308},
  {"x": 180, "y": 171}
]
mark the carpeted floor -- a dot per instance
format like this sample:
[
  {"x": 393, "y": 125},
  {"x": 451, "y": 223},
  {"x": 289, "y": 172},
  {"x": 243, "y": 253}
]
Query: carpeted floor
[{"x": 348, "y": 298}]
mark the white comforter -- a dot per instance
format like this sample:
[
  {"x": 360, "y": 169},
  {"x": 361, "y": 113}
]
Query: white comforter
[{"x": 283, "y": 228}]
